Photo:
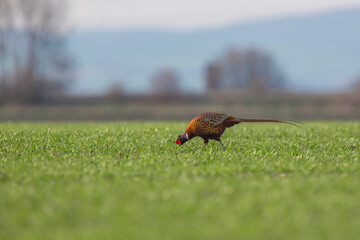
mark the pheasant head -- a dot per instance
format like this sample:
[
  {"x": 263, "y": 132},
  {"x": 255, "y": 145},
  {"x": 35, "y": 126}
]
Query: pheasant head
[{"x": 182, "y": 139}]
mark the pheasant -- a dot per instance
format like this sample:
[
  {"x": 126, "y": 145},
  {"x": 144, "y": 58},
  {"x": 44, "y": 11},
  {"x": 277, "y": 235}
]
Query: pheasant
[{"x": 211, "y": 125}]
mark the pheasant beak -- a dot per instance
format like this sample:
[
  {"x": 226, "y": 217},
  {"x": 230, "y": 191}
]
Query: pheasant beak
[{"x": 178, "y": 141}]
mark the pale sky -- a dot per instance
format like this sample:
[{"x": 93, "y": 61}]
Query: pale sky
[{"x": 188, "y": 14}]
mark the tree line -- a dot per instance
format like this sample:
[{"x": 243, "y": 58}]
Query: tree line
[
  {"x": 249, "y": 69},
  {"x": 35, "y": 64}
]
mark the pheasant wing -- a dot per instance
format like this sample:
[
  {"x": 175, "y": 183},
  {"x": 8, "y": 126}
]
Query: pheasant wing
[{"x": 216, "y": 118}]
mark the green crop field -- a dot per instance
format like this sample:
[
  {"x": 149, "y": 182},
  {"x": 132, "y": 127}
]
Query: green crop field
[{"x": 130, "y": 181}]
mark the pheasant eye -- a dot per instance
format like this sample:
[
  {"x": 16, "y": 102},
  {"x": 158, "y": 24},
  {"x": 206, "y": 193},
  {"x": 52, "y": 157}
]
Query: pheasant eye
[{"x": 178, "y": 142}]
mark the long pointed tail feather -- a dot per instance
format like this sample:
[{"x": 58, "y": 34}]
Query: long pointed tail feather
[{"x": 292, "y": 122}]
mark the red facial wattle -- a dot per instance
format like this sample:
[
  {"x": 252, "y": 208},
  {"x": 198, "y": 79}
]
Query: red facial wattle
[{"x": 178, "y": 142}]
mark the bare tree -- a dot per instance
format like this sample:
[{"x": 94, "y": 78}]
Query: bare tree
[
  {"x": 355, "y": 85},
  {"x": 213, "y": 76},
  {"x": 165, "y": 81},
  {"x": 6, "y": 26},
  {"x": 115, "y": 92},
  {"x": 36, "y": 58},
  {"x": 244, "y": 69}
]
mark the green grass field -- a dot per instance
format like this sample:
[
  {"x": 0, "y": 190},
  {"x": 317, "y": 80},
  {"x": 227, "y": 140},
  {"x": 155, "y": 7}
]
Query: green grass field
[{"x": 130, "y": 181}]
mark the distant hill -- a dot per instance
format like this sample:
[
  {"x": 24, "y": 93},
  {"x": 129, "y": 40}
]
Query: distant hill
[{"x": 318, "y": 52}]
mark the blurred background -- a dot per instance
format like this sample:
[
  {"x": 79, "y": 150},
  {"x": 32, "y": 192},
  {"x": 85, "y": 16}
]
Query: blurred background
[{"x": 170, "y": 60}]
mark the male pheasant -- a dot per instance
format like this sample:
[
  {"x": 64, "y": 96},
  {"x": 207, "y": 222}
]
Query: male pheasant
[{"x": 212, "y": 125}]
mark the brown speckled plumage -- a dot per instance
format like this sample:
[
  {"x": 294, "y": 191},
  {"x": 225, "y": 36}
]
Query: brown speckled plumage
[
  {"x": 208, "y": 124},
  {"x": 212, "y": 125}
]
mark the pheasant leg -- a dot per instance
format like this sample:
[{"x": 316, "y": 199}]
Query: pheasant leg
[
  {"x": 219, "y": 140},
  {"x": 206, "y": 143}
]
